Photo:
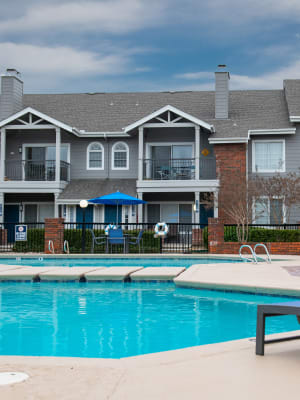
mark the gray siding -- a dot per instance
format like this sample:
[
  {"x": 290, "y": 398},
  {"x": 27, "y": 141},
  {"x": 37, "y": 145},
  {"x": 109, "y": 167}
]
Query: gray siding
[
  {"x": 292, "y": 160},
  {"x": 78, "y": 153},
  {"x": 11, "y": 100},
  {"x": 222, "y": 95}
]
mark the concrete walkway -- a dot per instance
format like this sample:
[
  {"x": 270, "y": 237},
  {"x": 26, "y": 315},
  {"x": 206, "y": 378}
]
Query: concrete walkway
[
  {"x": 280, "y": 277},
  {"x": 229, "y": 370}
]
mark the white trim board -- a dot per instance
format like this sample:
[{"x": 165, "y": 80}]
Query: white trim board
[{"x": 162, "y": 110}]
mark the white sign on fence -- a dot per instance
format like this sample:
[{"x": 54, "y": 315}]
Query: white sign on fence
[{"x": 21, "y": 233}]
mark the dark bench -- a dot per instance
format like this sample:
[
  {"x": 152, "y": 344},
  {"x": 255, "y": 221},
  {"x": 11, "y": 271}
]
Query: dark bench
[{"x": 273, "y": 310}]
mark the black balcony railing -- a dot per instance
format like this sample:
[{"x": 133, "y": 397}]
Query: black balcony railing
[
  {"x": 178, "y": 169},
  {"x": 35, "y": 170},
  {"x": 171, "y": 169}
]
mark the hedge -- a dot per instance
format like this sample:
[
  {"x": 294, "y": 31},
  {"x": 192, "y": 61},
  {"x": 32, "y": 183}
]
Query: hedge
[
  {"x": 264, "y": 235},
  {"x": 35, "y": 241},
  {"x": 74, "y": 237}
]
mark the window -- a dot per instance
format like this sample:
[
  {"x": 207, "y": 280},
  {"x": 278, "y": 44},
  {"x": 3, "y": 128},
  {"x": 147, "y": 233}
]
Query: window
[
  {"x": 95, "y": 156},
  {"x": 120, "y": 156},
  {"x": 269, "y": 211},
  {"x": 268, "y": 156}
]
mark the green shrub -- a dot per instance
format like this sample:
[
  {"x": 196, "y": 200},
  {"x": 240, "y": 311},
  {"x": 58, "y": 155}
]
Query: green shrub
[
  {"x": 74, "y": 237},
  {"x": 264, "y": 235},
  {"x": 35, "y": 242}
]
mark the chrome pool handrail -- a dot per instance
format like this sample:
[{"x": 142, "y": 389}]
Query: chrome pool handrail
[
  {"x": 267, "y": 252},
  {"x": 66, "y": 247},
  {"x": 254, "y": 259},
  {"x": 51, "y": 246}
]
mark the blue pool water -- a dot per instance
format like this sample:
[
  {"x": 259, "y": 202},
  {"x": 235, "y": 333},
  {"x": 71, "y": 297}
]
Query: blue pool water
[
  {"x": 121, "y": 319},
  {"x": 113, "y": 262}
]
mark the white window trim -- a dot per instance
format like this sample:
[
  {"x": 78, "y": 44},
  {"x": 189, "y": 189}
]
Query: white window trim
[
  {"x": 113, "y": 157},
  {"x": 88, "y": 156},
  {"x": 24, "y": 145},
  {"x": 152, "y": 144},
  {"x": 282, "y": 169},
  {"x": 269, "y": 209}
]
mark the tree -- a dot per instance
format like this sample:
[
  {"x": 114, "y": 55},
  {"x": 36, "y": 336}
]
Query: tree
[{"x": 278, "y": 195}]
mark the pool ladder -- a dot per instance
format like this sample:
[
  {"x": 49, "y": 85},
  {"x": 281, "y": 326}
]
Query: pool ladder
[
  {"x": 66, "y": 247},
  {"x": 51, "y": 246},
  {"x": 253, "y": 252}
]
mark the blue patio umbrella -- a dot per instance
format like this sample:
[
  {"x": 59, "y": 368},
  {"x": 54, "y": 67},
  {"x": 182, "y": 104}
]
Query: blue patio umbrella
[{"x": 117, "y": 199}]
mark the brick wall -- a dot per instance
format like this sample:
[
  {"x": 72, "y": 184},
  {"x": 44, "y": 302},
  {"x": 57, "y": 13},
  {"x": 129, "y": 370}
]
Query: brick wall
[
  {"x": 54, "y": 230},
  {"x": 231, "y": 171},
  {"x": 216, "y": 244}
]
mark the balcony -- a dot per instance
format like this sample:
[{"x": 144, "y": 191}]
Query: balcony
[
  {"x": 35, "y": 170},
  {"x": 178, "y": 169}
]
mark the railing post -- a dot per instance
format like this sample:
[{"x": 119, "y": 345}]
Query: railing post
[{"x": 2, "y": 154}]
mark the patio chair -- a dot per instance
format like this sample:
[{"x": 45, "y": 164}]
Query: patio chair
[
  {"x": 97, "y": 240},
  {"x": 115, "y": 238},
  {"x": 273, "y": 310},
  {"x": 137, "y": 241}
]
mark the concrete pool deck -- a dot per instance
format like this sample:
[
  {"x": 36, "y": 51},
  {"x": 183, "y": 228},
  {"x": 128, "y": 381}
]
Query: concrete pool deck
[
  {"x": 279, "y": 277},
  {"x": 228, "y": 370}
]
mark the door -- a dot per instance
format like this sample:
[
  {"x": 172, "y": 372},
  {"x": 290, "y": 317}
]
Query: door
[
  {"x": 205, "y": 213},
  {"x": 161, "y": 156},
  {"x": 35, "y": 163},
  {"x": 46, "y": 211},
  {"x": 169, "y": 213},
  {"x": 11, "y": 218},
  {"x": 89, "y": 215},
  {"x": 110, "y": 214}
]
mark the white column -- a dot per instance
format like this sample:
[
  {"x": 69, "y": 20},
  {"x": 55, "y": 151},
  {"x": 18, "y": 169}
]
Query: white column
[
  {"x": 1, "y": 207},
  {"x": 197, "y": 208},
  {"x": 141, "y": 152},
  {"x": 216, "y": 206},
  {"x": 57, "y": 155},
  {"x": 2, "y": 154},
  {"x": 56, "y": 205},
  {"x": 140, "y": 208},
  {"x": 197, "y": 152}
]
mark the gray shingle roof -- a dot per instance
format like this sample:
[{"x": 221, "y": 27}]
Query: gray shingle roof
[
  {"x": 292, "y": 93},
  {"x": 110, "y": 112},
  {"x": 79, "y": 189}
]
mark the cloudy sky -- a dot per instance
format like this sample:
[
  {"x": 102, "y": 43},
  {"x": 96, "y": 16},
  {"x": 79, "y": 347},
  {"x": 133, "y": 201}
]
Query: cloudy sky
[{"x": 136, "y": 45}]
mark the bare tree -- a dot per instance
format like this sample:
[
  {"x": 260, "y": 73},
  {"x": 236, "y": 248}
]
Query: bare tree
[{"x": 278, "y": 195}]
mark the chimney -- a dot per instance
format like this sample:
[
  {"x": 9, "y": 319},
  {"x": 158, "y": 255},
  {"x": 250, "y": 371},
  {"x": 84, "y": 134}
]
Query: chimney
[
  {"x": 11, "y": 99},
  {"x": 222, "y": 92}
]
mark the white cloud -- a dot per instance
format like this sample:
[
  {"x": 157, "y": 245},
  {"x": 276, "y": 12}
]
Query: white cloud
[
  {"x": 272, "y": 80},
  {"x": 195, "y": 75},
  {"x": 60, "y": 60},
  {"x": 113, "y": 16}
]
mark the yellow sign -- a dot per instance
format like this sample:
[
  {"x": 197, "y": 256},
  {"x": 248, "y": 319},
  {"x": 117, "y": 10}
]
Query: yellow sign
[{"x": 205, "y": 152}]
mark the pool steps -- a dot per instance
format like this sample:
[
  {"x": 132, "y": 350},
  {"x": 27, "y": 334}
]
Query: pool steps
[{"x": 88, "y": 274}]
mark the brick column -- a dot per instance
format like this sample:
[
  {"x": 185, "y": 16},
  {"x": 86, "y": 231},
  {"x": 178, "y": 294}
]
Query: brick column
[
  {"x": 231, "y": 171},
  {"x": 215, "y": 235},
  {"x": 54, "y": 230}
]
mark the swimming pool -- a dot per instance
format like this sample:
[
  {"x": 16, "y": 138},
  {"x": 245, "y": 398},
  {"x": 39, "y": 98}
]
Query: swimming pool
[
  {"x": 119, "y": 261},
  {"x": 114, "y": 320}
]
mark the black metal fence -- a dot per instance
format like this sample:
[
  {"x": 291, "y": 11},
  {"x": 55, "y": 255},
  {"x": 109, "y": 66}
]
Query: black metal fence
[
  {"x": 34, "y": 242},
  {"x": 264, "y": 233},
  {"x": 137, "y": 238},
  {"x": 93, "y": 238}
]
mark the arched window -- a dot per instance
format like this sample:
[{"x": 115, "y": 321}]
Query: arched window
[
  {"x": 120, "y": 156},
  {"x": 95, "y": 156}
]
